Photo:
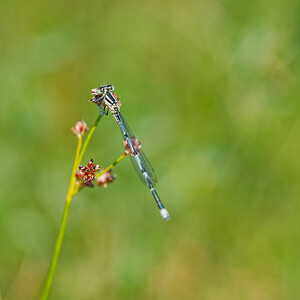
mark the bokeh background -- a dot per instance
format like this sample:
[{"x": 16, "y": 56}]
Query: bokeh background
[{"x": 211, "y": 88}]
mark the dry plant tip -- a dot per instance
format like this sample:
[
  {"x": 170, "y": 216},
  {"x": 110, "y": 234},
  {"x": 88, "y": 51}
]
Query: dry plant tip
[
  {"x": 80, "y": 128},
  {"x": 86, "y": 174},
  {"x": 105, "y": 179},
  {"x": 136, "y": 144}
]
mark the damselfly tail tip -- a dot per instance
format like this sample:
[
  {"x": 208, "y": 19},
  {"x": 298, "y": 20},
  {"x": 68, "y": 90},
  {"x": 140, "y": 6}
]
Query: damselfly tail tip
[{"x": 164, "y": 213}]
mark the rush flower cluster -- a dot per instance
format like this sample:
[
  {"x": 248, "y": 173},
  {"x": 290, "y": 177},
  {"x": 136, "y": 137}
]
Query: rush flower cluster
[
  {"x": 136, "y": 144},
  {"x": 105, "y": 179},
  {"x": 87, "y": 173},
  {"x": 86, "y": 176},
  {"x": 80, "y": 128}
]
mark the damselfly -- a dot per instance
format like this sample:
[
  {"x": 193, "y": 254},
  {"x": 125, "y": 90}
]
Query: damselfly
[{"x": 107, "y": 102}]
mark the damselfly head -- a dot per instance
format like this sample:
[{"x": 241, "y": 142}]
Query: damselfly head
[
  {"x": 100, "y": 92},
  {"x": 105, "y": 88},
  {"x": 102, "y": 89}
]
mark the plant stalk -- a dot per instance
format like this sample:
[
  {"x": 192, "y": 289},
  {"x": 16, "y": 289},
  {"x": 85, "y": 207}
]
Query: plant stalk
[
  {"x": 62, "y": 228},
  {"x": 112, "y": 165},
  {"x": 88, "y": 138}
]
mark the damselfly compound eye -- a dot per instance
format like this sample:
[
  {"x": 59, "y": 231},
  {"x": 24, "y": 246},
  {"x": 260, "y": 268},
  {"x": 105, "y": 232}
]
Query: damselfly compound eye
[
  {"x": 110, "y": 87},
  {"x": 107, "y": 87}
]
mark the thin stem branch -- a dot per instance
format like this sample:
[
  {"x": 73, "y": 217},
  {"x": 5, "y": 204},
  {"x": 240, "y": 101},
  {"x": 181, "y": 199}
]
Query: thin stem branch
[
  {"x": 62, "y": 228},
  {"x": 112, "y": 165},
  {"x": 73, "y": 189},
  {"x": 87, "y": 140}
]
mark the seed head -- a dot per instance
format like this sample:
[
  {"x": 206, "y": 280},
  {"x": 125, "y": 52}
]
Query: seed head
[
  {"x": 105, "y": 179},
  {"x": 87, "y": 173},
  {"x": 80, "y": 128},
  {"x": 136, "y": 144}
]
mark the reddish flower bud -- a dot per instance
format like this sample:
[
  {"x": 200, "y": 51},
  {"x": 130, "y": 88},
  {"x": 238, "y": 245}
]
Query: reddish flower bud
[
  {"x": 87, "y": 173},
  {"x": 105, "y": 179},
  {"x": 80, "y": 128},
  {"x": 136, "y": 144}
]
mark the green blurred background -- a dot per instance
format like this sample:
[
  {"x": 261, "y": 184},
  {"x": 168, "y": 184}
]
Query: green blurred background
[{"x": 211, "y": 88}]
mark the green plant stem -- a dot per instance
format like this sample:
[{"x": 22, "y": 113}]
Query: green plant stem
[
  {"x": 73, "y": 189},
  {"x": 112, "y": 165},
  {"x": 87, "y": 140},
  {"x": 62, "y": 228}
]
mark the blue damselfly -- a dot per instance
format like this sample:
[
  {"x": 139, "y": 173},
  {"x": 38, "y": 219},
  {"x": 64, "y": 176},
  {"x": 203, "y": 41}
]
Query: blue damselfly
[{"x": 107, "y": 102}]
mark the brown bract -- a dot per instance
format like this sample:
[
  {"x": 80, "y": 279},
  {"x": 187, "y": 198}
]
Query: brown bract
[
  {"x": 80, "y": 128},
  {"x": 136, "y": 144},
  {"x": 87, "y": 173},
  {"x": 105, "y": 179}
]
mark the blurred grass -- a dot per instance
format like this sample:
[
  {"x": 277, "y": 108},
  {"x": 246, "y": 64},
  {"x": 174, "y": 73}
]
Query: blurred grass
[{"x": 212, "y": 90}]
